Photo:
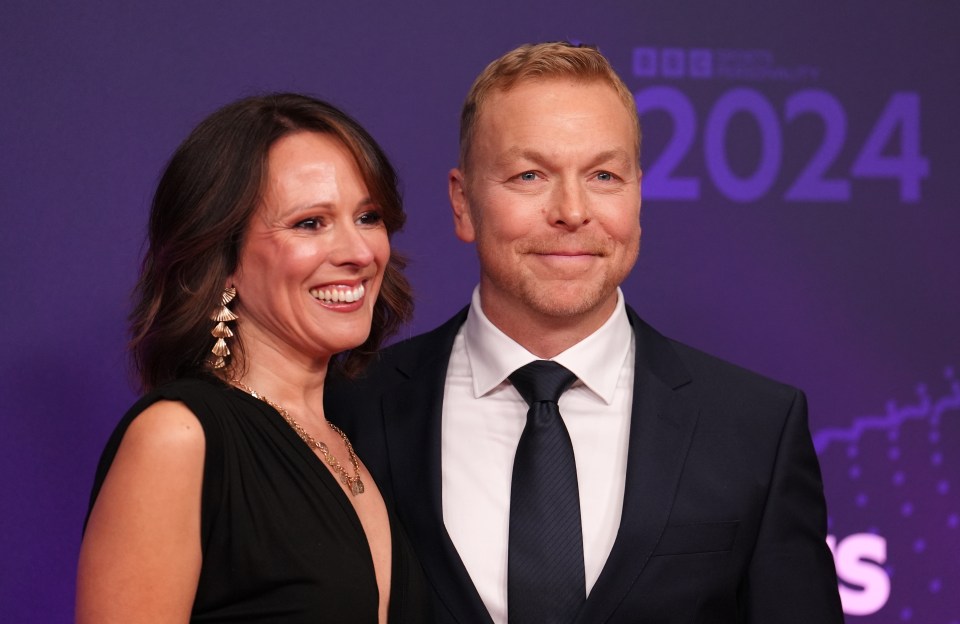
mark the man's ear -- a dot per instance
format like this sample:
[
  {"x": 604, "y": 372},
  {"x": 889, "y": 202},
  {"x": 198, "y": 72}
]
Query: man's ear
[{"x": 462, "y": 220}]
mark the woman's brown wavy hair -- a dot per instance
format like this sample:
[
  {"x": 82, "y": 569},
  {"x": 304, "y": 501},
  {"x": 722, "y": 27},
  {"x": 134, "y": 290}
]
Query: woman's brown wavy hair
[{"x": 205, "y": 199}]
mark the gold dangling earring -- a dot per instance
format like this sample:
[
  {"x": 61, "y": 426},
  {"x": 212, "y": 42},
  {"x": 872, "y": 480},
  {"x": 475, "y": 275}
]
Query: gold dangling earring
[{"x": 220, "y": 331}]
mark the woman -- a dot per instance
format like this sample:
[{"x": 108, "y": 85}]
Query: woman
[{"x": 224, "y": 494}]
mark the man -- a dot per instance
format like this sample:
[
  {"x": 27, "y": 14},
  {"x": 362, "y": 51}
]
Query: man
[{"x": 696, "y": 493}]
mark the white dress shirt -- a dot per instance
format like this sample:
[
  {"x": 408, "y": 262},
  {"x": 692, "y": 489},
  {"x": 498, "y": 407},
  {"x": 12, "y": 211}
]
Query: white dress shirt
[{"x": 483, "y": 417}]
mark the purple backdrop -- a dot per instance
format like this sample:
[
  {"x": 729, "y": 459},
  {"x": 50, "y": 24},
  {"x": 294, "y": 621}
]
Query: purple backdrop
[{"x": 799, "y": 218}]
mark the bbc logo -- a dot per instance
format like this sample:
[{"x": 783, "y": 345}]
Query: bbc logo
[{"x": 673, "y": 63}]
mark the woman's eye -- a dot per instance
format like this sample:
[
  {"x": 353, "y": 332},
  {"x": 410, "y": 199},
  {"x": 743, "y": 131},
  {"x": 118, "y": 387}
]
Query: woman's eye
[
  {"x": 308, "y": 224},
  {"x": 370, "y": 218}
]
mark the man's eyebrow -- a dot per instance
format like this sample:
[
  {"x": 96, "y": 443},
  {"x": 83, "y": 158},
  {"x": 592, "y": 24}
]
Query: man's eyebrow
[
  {"x": 615, "y": 154},
  {"x": 516, "y": 153}
]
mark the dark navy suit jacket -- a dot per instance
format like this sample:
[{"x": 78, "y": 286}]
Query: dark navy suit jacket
[{"x": 723, "y": 514}]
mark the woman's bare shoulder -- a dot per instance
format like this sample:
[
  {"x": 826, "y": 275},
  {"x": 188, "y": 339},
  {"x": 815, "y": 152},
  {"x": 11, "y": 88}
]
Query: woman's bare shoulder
[{"x": 165, "y": 425}]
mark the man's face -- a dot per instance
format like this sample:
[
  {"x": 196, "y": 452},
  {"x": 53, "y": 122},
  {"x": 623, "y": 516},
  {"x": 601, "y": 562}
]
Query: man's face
[{"x": 550, "y": 193}]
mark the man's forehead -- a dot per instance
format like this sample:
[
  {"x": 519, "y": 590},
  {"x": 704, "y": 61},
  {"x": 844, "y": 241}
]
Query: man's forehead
[
  {"x": 534, "y": 91},
  {"x": 502, "y": 108}
]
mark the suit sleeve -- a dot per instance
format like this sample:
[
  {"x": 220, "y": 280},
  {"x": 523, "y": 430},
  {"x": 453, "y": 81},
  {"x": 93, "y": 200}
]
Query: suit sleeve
[{"x": 791, "y": 576}]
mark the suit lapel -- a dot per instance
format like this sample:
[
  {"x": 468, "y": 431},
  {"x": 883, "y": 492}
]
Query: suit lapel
[
  {"x": 412, "y": 418},
  {"x": 662, "y": 425},
  {"x": 661, "y": 429}
]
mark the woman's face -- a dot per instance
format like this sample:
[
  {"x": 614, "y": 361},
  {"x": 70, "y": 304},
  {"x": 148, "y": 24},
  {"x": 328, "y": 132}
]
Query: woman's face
[{"x": 314, "y": 255}]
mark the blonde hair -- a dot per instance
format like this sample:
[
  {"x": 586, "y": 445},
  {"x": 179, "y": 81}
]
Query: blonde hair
[{"x": 558, "y": 59}]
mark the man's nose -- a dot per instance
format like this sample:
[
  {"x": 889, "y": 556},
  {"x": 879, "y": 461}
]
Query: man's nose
[{"x": 570, "y": 206}]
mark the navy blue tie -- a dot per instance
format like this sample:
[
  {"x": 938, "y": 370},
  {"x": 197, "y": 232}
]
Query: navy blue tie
[{"x": 545, "y": 577}]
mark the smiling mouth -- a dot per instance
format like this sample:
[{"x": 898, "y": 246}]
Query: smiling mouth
[
  {"x": 567, "y": 254},
  {"x": 338, "y": 294}
]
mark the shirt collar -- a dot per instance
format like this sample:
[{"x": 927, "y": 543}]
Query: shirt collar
[{"x": 596, "y": 360}]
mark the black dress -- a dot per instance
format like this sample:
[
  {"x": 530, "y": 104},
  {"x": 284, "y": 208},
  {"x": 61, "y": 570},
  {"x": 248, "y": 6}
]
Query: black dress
[{"x": 281, "y": 541}]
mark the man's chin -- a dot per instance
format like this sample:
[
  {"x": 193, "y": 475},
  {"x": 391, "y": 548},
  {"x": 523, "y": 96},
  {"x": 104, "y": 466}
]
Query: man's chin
[{"x": 569, "y": 301}]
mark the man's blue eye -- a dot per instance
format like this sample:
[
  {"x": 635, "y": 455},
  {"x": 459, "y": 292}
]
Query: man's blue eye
[{"x": 528, "y": 175}]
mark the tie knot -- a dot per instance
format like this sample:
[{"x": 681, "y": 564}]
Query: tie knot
[{"x": 542, "y": 380}]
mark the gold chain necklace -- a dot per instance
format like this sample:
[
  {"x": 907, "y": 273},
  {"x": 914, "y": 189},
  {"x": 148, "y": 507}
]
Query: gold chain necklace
[{"x": 354, "y": 484}]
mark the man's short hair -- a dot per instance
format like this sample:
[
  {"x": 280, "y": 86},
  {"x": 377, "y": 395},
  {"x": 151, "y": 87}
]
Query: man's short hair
[{"x": 558, "y": 59}]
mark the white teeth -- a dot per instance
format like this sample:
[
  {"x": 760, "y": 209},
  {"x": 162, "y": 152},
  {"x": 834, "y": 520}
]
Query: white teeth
[{"x": 337, "y": 295}]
